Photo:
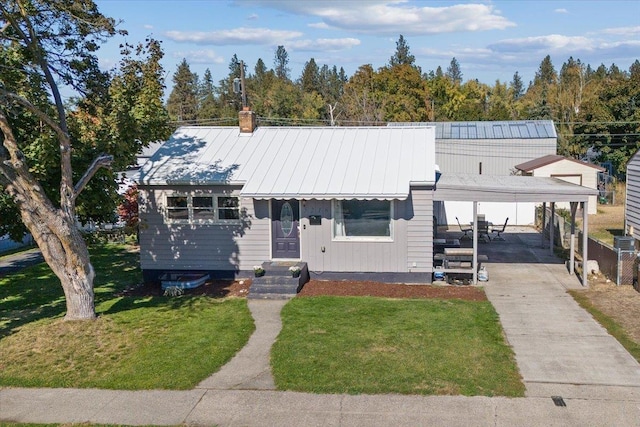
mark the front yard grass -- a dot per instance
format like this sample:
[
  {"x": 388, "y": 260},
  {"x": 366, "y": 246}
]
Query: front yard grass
[
  {"x": 136, "y": 342},
  {"x": 374, "y": 345}
]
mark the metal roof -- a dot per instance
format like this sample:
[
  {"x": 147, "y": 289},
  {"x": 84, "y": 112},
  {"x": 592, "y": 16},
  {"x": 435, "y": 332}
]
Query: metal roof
[
  {"x": 495, "y": 188},
  {"x": 549, "y": 159},
  {"x": 518, "y": 129},
  {"x": 299, "y": 162}
]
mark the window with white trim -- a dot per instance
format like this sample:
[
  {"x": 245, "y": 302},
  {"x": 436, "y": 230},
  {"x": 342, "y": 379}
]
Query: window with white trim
[
  {"x": 362, "y": 220},
  {"x": 202, "y": 208}
]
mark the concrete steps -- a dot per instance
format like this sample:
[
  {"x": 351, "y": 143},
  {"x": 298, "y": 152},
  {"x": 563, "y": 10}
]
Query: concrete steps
[{"x": 277, "y": 282}]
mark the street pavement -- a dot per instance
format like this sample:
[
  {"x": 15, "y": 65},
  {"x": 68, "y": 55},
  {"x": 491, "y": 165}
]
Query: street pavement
[
  {"x": 16, "y": 262},
  {"x": 575, "y": 373}
]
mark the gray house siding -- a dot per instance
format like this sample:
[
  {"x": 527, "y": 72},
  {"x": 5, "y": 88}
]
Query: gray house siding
[
  {"x": 236, "y": 248},
  {"x": 228, "y": 247},
  {"x": 420, "y": 231},
  {"x": 351, "y": 256},
  {"x": 489, "y": 156},
  {"x": 632, "y": 205}
]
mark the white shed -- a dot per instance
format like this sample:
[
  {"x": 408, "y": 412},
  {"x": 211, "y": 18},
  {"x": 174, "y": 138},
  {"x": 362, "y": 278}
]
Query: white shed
[{"x": 566, "y": 169}]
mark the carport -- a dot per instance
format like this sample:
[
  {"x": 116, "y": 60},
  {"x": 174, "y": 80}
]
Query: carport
[{"x": 514, "y": 189}]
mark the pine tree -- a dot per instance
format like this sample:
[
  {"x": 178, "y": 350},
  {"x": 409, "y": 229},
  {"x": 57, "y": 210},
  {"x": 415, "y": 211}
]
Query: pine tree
[
  {"x": 281, "y": 63},
  {"x": 546, "y": 74},
  {"x": 516, "y": 87},
  {"x": 402, "y": 56},
  {"x": 183, "y": 100},
  {"x": 453, "y": 72},
  {"x": 310, "y": 78},
  {"x": 207, "y": 103}
]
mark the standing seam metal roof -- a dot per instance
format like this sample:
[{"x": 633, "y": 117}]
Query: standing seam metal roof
[
  {"x": 299, "y": 162},
  {"x": 519, "y": 129}
]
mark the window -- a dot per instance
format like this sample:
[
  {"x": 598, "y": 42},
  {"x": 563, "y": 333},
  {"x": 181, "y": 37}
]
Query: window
[
  {"x": 362, "y": 219},
  {"x": 202, "y": 208},
  {"x": 177, "y": 209},
  {"x": 228, "y": 208}
]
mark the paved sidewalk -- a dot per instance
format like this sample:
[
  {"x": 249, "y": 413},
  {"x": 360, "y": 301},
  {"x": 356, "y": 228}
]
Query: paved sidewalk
[
  {"x": 560, "y": 350},
  {"x": 250, "y": 369},
  {"x": 20, "y": 260}
]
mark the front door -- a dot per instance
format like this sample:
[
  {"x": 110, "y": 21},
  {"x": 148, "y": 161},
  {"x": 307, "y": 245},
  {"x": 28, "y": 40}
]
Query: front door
[{"x": 285, "y": 235}]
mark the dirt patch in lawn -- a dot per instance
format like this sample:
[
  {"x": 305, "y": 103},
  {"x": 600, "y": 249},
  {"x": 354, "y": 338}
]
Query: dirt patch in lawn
[
  {"x": 621, "y": 303},
  {"x": 212, "y": 288},
  {"x": 390, "y": 290}
]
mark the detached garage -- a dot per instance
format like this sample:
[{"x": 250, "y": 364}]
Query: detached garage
[{"x": 565, "y": 169}]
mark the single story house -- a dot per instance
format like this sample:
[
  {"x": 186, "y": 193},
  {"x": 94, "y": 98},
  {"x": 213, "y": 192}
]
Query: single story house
[
  {"x": 342, "y": 199},
  {"x": 349, "y": 201},
  {"x": 489, "y": 148},
  {"x": 566, "y": 169}
]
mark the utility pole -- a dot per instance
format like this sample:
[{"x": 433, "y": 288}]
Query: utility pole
[{"x": 239, "y": 86}]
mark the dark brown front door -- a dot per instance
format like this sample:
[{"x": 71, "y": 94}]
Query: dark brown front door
[{"x": 285, "y": 217}]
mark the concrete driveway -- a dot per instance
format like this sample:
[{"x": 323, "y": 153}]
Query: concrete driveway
[{"x": 560, "y": 349}]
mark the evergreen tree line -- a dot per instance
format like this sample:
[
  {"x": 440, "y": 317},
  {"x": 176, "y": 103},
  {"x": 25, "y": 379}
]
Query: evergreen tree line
[{"x": 592, "y": 108}]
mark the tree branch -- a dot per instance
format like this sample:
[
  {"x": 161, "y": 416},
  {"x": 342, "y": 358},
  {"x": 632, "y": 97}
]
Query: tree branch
[
  {"x": 103, "y": 160},
  {"x": 65, "y": 140}
]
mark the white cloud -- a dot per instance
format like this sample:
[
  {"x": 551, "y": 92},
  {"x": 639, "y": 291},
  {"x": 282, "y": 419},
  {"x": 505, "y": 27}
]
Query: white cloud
[
  {"x": 544, "y": 44},
  {"x": 323, "y": 45},
  {"x": 263, "y": 37},
  {"x": 236, "y": 36},
  {"x": 526, "y": 53},
  {"x": 106, "y": 63},
  {"x": 199, "y": 56},
  {"x": 397, "y": 16},
  {"x": 561, "y": 10},
  {"x": 252, "y": 17},
  {"x": 148, "y": 27},
  {"x": 621, "y": 31},
  {"x": 319, "y": 25}
]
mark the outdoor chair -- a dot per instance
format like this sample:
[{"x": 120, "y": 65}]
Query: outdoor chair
[
  {"x": 466, "y": 231},
  {"x": 499, "y": 231},
  {"x": 483, "y": 231}
]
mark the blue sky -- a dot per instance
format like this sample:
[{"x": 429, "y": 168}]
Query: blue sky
[{"x": 490, "y": 39}]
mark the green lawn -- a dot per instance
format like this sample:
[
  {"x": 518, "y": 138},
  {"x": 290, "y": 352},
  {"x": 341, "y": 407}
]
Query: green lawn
[
  {"x": 374, "y": 345},
  {"x": 136, "y": 342}
]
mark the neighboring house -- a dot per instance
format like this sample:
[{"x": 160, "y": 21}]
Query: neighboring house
[
  {"x": 489, "y": 148},
  {"x": 566, "y": 169},
  {"x": 342, "y": 199},
  {"x": 130, "y": 176},
  {"x": 632, "y": 198}
]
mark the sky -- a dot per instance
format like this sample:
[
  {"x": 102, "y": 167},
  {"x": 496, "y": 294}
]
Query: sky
[{"x": 491, "y": 40}]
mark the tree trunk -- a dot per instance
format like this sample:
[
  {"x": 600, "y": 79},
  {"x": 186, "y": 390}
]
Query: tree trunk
[
  {"x": 66, "y": 253},
  {"x": 62, "y": 245}
]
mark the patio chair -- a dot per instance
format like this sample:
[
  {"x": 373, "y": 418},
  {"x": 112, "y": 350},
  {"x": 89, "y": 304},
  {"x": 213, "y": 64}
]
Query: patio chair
[
  {"x": 499, "y": 231},
  {"x": 466, "y": 231},
  {"x": 483, "y": 231}
]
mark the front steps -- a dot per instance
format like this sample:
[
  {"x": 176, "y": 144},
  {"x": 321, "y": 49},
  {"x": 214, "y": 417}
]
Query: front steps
[{"x": 277, "y": 282}]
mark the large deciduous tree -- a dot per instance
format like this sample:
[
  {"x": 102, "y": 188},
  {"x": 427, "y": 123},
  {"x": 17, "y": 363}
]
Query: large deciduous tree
[{"x": 44, "y": 44}]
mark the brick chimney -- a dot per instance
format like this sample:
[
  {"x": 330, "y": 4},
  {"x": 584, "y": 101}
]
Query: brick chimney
[{"x": 247, "y": 120}]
